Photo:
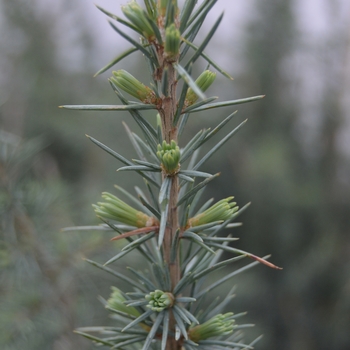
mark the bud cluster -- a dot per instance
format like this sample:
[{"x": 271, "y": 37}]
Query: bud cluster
[
  {"x": 221, "y": 324},
  {"x": 203, "y": 82},
  {"x": 159, "y": 300},
  {"x": 116, "y": 209},
  {"x": 221, "y": 210},
  {"x": 169, "y": 156},
  {"x": 132, "y": 86}
]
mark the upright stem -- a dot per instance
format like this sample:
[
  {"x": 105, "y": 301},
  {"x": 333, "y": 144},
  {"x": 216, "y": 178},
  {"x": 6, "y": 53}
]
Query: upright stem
[{"x": 167, "y": 113}]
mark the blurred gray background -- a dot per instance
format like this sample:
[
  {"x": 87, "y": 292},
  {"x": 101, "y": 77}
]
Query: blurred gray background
[{"x": 291, "y": 160}]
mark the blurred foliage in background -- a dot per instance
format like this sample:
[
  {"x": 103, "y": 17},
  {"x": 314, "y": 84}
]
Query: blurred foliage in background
[{"x": 290, "y": 160}]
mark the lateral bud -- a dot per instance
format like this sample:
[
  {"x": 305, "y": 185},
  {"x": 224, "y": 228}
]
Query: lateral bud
[
  {"x": 115, "y": 209},
  {"x": 117, "y": 302},
  {"x": 219, "y": 325},
  {"x": 128, "y": 83},
  {"x": 221, "y": 210},
  {"x": 138, "y": 17},
  {"x": 203, "y": 82}
]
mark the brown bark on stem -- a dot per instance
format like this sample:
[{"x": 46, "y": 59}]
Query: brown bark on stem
[{"x": 167, "y": 113}]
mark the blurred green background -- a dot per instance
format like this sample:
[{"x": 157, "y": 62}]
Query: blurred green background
[{"x": 291, "y": 160}]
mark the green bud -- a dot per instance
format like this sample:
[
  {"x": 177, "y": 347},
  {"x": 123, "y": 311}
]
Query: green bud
[
  {"x": 221, "y": 210},
  {"x": 217, "y": 326},
  {"x": 132, "y": 86},
  {"x": 203, "y": 82},
  {"x": 117, "y": 302},
  {"x": 172, "y": 41},
  {"x": 116, "y": 209},
  {"x": 169, "y": 156},
  {"x": 159, "y": 300},
  {"x": 138, "y": 17}
]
